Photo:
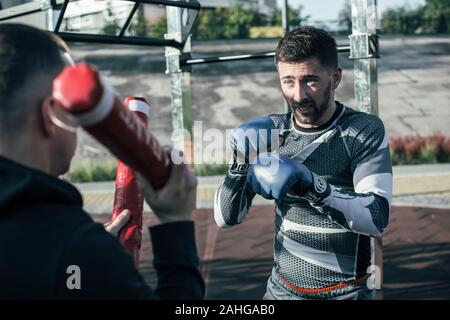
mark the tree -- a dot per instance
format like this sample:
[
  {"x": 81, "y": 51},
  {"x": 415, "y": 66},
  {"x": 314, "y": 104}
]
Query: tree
[
  {"x": 140, "y": 27},
  {"x": 437, "y": 15},
  {"x": 111, "y": 25},
  {"x": 210, "y": 24},
  {"x": 158, "y": 29},
  {"x": 403, "y": 20},
  {"x": 345, "y": 17},
  {"x": 295, "y": 17},
  {"x": 240, "y": 20}
]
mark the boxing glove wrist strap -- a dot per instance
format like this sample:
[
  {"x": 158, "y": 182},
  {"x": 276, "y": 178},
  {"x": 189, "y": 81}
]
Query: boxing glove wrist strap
[
  {"x": 319, "y": 189},
  {"x": 239, "y": 168}
]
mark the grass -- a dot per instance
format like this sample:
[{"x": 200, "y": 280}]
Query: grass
[
  {"x": 404, "y": 151},
  {"x": 210, "y": 169},
  {"x": 88, "y": 170},
  {"x": 96, "y": 170}
]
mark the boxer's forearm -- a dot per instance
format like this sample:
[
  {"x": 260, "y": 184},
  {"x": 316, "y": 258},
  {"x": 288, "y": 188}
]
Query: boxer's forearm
[
  {"x": 232, "y": 199},
  {"x": 364, "y": 213}
]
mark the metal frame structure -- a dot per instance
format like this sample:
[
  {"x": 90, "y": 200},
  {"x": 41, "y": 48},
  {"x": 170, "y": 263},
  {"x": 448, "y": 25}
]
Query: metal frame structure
[
  {"x": 50, "y": 13},
  {"x": 364, "y": 50},
  {"x": 181, "y": 16}
]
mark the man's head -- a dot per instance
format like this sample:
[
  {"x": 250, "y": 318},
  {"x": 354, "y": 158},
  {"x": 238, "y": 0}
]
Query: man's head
[
  {"x": 307, "y": 64},
  {"x": 30, "y": 60}
]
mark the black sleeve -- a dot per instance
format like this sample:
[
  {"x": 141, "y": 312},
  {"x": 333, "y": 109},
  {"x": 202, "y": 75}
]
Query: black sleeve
[
  {"x": 107, "y": 271},
  {"x": 176, "y": 261}
]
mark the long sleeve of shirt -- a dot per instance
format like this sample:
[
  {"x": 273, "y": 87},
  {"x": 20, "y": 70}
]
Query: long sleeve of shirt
[
  {"x": 233, "y": 199},
  {"x": 366, "y": 209}
]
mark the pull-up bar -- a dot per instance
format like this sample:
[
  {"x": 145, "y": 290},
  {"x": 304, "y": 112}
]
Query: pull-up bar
[{"x": 253, "y": 56}]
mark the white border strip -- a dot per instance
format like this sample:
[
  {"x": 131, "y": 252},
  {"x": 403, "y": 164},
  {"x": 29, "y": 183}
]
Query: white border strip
[
  {"x": 139, "y": 106},
  {"x": 101, "y": 110}
]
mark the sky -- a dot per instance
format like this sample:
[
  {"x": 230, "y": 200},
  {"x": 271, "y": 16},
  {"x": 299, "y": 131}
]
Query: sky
[{"x": 329, "y": 9}]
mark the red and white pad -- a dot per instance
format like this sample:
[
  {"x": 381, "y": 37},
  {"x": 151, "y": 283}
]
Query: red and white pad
[
  {"x": 82, "y": 92},
  {"x": 127, "y": 195}
]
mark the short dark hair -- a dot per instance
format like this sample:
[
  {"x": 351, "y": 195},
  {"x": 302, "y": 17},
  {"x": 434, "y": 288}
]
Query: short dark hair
[
  {"x": 27, "y": 54},
  {"x": 306, "y": 43}
]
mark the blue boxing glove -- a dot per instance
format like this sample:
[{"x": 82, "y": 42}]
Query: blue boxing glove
[
  {"x": 273, "y": 175},
  {"x": 252, "y": 138}
]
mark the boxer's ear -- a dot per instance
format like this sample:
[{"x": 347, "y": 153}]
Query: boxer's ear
[
  {"x": 48, "y": 127},
  {"x": 337, "y": 76}
]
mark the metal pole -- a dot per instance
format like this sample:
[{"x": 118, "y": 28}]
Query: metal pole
[
  {"x": 364, "y": 49},
  {"x": 285, "y": 16},
  {"x": 180, "y": 81},
  {"x": 285, "y": 23}
]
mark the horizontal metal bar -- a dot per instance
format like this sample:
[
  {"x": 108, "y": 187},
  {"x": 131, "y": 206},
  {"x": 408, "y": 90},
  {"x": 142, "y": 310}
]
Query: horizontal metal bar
[
  {"x": 20, "y": 10},
  {"x": 172, "y": 3},
  {"x": 254, "y": 56},
  {"x": 230, "y": 58},
  {"x": 110, "y": 39}
]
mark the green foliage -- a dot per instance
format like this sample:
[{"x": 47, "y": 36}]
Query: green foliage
[
  {"x": 158, "y": 29},
  {"x": 111, "y": 25},
  {"x": 239, "y": 22},
  {"x": 295, "y": 17},
  {"x": 207, "y": 169},
  {"x": 404, "y": 151},
  {"x": 139, "y": 27},
  {"x": 210, "y": 24},
  {"x": 403, "y": 20},
  {"x": 88, "y": 170},
  {"x": 231, "y": 23},
  {"x": 96, "y": 170},
  {"x": 345, "y": 17},
  {"x": 434, "y": 16},
  {"x": 437, "y": 15}
]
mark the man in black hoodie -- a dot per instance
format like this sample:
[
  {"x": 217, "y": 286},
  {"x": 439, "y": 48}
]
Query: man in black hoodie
[{"x": 49, "y": 247}]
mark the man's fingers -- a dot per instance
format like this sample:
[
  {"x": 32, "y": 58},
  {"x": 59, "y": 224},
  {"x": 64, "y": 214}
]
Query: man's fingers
[
  {"x": 121, "y": 220},
  {"x": 146, "y": 188},
  {"x": 177, "y": 174},
  {"x": 190, "y": 179}
]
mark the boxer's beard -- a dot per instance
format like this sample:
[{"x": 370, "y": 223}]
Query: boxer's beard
[{"x": 309, "y": 112}]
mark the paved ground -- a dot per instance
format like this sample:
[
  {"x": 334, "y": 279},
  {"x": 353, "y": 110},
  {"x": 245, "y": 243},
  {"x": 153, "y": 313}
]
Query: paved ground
[
  {"x": 414, "y": 78},
  {"x": 236, "y": 262}
]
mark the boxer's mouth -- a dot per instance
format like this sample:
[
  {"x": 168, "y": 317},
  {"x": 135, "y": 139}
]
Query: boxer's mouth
[{"x": 303, "y": 108}]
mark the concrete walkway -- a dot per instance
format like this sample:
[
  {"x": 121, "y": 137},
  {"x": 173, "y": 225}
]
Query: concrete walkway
[{"x": 418, "y": 185}]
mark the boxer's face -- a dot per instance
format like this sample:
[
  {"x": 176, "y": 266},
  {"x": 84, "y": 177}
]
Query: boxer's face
[{"x": 308, "y": 89}]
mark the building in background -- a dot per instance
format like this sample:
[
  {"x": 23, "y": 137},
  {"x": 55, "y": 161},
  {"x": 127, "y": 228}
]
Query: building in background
[{"x": 91, "y": 16}]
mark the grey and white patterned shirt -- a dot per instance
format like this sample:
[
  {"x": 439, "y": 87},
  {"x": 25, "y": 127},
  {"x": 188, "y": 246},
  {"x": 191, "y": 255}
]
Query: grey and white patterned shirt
[{"x": 324, "y": 243}]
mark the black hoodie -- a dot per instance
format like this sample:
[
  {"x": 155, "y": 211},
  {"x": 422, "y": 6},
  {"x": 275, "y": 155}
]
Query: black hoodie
[{"x": 44, "y": 233}]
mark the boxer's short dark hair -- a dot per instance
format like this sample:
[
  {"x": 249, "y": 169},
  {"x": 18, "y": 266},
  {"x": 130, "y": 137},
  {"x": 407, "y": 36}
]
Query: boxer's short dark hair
[
  {"x": 26, "y": 54},
  {"x": 306, "y": 43}
]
